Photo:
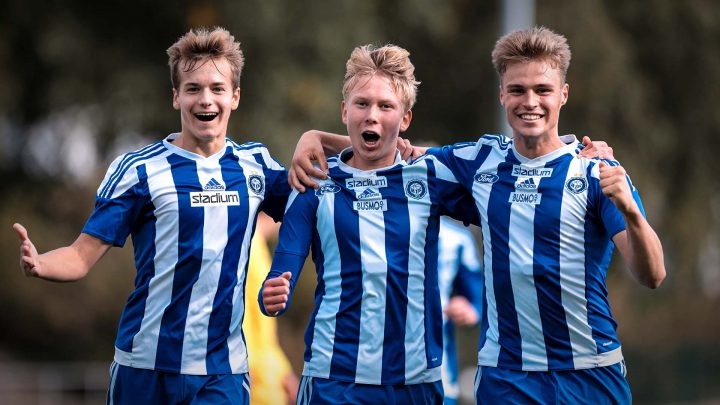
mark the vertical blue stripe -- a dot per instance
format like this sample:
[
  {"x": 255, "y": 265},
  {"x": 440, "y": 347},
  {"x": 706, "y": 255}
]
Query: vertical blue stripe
[
  {"x": 433, "y": 306},
  {"x": 144, "y": 243},
  {"x": 319, "y": 260},
  {"x": 218, "y": 358},
  {"x": 347, "y": 328},
  {"x": 546, "y": 267},
  {"x": 510, "y": 355},
  {"x": 397, "y": 229},
  {"x": 190, "y": 238}
]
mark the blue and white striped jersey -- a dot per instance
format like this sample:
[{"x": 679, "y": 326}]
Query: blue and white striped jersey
[
  {"x": 459, "y": 273},
  {"x": 547, "y": 232},
  {"x": 374, "y": 238},
  {"x": 191, "y": 219}
]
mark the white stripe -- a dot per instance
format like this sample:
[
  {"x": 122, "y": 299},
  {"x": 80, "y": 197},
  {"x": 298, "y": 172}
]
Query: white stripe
[
  {"x": 113, "y": 377},
  {"x": 162, "y": 192},
  {"x": 572, "y": 270},
  {"x": 521, "y": 241},
  {"x": 324, "y": 331},
  {"x": 215, "y": 227},
  {"x": 490, "y": 352},
  {"x": 478, "y": 377},
  {"x": 374, "y": 284},
  {"x": 415, "y": 333},
  {"x": 236, "y": 344}
]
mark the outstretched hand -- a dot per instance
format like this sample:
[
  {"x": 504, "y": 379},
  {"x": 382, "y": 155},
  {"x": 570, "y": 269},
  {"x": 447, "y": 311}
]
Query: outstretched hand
[
  {"x": 276, "y": 292},
  {"x": 596, "y": 149},
  {"x": 29, "y": 262}
]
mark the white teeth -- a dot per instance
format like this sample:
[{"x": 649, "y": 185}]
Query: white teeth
[{"x": 530, "y": 116}]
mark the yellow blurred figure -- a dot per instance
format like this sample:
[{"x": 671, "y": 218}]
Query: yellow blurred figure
[{"x": 272, "y": 380}]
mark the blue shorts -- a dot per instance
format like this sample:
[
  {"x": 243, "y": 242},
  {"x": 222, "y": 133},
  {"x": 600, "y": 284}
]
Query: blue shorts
[
  {"x": 321, "y": 391},
  {"x": 138, "y": 386},
  {"x": 601, "y": 385}
]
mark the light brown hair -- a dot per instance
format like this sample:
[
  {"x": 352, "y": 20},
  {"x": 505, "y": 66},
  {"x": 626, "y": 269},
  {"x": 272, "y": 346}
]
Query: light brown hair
[
  {"x": 200, "y": 45},
  {"x": 389, "y": 60},
  {"x": 538, "y": 43}
]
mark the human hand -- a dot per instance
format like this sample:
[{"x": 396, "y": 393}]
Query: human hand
[
  {"x": 276, "y": 293},
  {"x": 614, "y": 184},
  {"x": 308, "y": 149},
  {"x": 29, "y": 261},
  {"x": 596, "y": 149},
  {"x": 461, "y": 312}
]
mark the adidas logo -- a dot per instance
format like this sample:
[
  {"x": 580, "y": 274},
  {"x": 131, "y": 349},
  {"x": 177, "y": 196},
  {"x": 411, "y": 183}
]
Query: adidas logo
[
  {"x": 213, "y": 185},
  {"x": 527, "y": 184},
  {"x": 369, "y": 194}
]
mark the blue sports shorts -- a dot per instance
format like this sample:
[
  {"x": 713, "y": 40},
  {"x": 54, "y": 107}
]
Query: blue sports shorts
[
  {"x": 601, "y": 385},
  {"x": 138, "y": 386},
  {"x": 321, "y": 391}
]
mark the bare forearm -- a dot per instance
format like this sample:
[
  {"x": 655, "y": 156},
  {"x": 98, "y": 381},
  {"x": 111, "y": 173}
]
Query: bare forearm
[
  {"x": 645, "y": 256},
  {"x": 333, "y": 143},
  {"x": 62, "y": 264},
  {"x": 71, "y": 263}
]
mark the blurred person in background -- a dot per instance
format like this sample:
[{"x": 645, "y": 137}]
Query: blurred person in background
[
  {"x": 272, "y": 379},
  {"x": 461, "y": 286},
  {"x": 190, "y": 203}
]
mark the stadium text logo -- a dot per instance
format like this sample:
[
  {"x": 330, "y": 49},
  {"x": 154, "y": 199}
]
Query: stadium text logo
[
  {"x": 531, "y": 171},
  {"x": 214, "y": 198},
  {"x": 364, "y": 182},
  {"x": 327, "y": 188},
  {"x": 576, "y": 185},
  {"x": 256, "y": 184},
  {"x": 371, "y": 205},
  {"x": 416, "y": 189},
  {"x": 525, "y": 198},
  {"x": 486, "y": 177}
]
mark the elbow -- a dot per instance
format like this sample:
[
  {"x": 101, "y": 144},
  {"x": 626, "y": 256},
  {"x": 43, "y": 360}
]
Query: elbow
[{"x": 653, "y": 281}]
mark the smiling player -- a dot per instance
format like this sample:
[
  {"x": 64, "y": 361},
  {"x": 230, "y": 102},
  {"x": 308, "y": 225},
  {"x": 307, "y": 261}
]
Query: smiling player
[{"x": 190, "y": 203}]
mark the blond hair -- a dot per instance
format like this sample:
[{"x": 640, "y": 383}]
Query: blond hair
[
  {"x": 538, "y": 43},
  {"x": 200, "y": 45},
  {"x": 389, "y": 60}
]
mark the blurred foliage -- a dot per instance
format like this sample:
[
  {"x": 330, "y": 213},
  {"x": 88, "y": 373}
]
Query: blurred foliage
[{"x": 84, "y": 81}]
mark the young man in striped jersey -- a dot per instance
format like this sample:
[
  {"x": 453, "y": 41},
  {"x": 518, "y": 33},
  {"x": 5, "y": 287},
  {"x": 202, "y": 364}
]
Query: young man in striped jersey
[
  {"x": 549, "y": 222},
  {"x": 190, "y": 204},
  {"x": 375, "y": 334}
]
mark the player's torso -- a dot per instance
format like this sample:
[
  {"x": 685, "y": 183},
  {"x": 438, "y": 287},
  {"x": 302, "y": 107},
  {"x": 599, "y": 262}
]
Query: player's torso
[{"x": 377, "y": 278}]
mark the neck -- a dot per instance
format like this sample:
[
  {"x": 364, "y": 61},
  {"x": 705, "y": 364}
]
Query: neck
[
  {"x": 200, "y": 147},
  {"x": 536, "y": 146},
  {"x": 364, "y": 164}
]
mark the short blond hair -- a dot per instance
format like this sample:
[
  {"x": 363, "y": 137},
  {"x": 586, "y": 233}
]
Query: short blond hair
[
  {"x": 537, "y": 43},
  {"x": 202, "y": 44},
  {"x": 389, "y": 60}
]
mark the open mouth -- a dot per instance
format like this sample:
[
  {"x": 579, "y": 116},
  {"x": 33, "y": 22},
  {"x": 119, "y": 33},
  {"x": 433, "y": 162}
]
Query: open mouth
[
  {"x": 370, "y": 137},
  {"x": 206, "y": 117}
]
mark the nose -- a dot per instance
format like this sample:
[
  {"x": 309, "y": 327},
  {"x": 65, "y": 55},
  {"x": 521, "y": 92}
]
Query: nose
[
  {"x": 531, "y": 99},
  {"x": 205, "y": 98},
  {"x": 371, "y": 116}
]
